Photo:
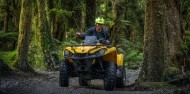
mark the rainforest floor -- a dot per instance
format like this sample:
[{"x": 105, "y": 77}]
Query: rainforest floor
[{"x": 48, "y": 83}]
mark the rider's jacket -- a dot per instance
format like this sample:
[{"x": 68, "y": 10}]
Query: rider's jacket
[{"x": 102, "y": 35}]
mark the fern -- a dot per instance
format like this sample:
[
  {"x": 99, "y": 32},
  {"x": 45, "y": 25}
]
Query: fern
[
  {"x": 61, "y": 13},
  {"x": 8, "y": 57},
  {"x": 9, "y": 35},
  {"x": 185, "y": 44},
  {"x": 132, "y": 52}
]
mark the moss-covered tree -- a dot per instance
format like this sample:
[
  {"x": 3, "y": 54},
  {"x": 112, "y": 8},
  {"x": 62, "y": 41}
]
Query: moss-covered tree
[
  {"x": 134, "y": 13},
  {"x": 21, "y": 61},
  {"x": 185, "y": 14},
  {"x": 46, "y": 40},
  {"x": 162, "y": 38},
  {"x": 153, "y": 61},
  {"x": 60, "y": 17},
  {"x": 173, "y": 32},
  {"x": 16, "y": 5},
  {"x": 6, "y": 15},
  {"x": 118, "y": 15},
  {"x": 90, "y": 12},
  {"x": 77, "y": 14}
]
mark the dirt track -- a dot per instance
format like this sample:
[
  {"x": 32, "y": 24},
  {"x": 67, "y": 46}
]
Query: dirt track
[{"x": 48, "y": 84}]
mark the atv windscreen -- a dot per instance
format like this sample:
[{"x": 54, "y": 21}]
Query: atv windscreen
[{"x": 90, "y": 40}]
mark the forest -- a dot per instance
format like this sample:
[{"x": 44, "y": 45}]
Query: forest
[{"x": 152, "y": 35}]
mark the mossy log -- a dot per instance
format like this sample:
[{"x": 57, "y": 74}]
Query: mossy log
[{"x": 182, "y": 80}]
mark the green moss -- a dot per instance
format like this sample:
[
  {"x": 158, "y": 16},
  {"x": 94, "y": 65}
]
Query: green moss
[
  {"x": 35, "y": 54},
  {"x": 170, "y": 73},
  {"x": 8, "y": 57},
  {"x": 187, "y": 33}
]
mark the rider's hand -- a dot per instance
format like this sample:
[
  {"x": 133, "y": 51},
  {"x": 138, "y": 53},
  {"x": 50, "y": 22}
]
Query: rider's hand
[
  {"x": 107, "y": 42},
  {"x": 104, "y": 41},
  {"x": 79, "y": 34}
]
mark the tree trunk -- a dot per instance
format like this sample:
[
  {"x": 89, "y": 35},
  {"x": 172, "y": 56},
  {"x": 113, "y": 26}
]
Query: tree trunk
[
  {"x": 51, "y": 17},
  {"x": 21, "y": 61},
  {"x": 90, "y": 12},
  {"x": 83, "y": 25},
  {"x": 60, "y": 24},
  {"x": 48, "y": 48},
  {"x": 173, "y": 32},
  {"x": 162, "y": 38},
  {"x": 6, "y": 17},
  {"x": 16, "y": 13},
  {"x": 77, "y": 15},
  {"x": 184, "y": 7},
  {"x": 153, "y": 60},
  {"x": 118, "y": 15}
]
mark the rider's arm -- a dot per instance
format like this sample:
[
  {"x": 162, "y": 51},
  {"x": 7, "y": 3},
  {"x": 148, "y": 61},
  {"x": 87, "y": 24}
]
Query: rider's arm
[
  {"x": 106, "y": 34},
  {"x": 107, "y": 37},
  {"x": 88, "y": 32}
]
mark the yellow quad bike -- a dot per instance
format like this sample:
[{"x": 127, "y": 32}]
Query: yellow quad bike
[{"x": 92, "y": 60}]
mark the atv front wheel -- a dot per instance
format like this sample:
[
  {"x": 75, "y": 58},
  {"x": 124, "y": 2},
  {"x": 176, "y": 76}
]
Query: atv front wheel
[
  {"x": 120, "y": 81},
  {"x": 110, "y": 76},
  {"x": 64, "y": 74}
]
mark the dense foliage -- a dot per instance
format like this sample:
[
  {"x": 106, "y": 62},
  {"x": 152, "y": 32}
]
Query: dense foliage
[{"x": 65, "y": 18}]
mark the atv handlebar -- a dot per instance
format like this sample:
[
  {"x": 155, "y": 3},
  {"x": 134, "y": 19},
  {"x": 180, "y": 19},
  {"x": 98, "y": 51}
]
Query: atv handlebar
[
  {"x": 106, "y": 42},
  {"x": 98, "y": 41}
]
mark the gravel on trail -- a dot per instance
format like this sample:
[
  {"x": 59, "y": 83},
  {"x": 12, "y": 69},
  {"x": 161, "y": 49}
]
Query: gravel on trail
[{"x": 48, "y": 83}]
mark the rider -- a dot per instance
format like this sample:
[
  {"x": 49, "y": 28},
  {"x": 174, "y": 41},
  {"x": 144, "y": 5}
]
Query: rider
[{"x": 98, "y": 31}]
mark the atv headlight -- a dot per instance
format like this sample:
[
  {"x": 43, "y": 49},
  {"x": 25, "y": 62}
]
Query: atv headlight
[
  {"x": 66, "y": 53},
  {"x": 101, "y": 52}
]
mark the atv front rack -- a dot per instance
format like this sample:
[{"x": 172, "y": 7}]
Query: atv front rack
[{"x": 89, "y": 45}]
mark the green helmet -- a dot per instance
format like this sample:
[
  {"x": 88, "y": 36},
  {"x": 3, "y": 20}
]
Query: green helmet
[{"x": 100, "y": 20}]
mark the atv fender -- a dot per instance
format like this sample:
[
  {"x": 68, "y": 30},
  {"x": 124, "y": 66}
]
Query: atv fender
[
  {"x": 119, "y": 60},
  {"x": 111, "y": 55}
]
